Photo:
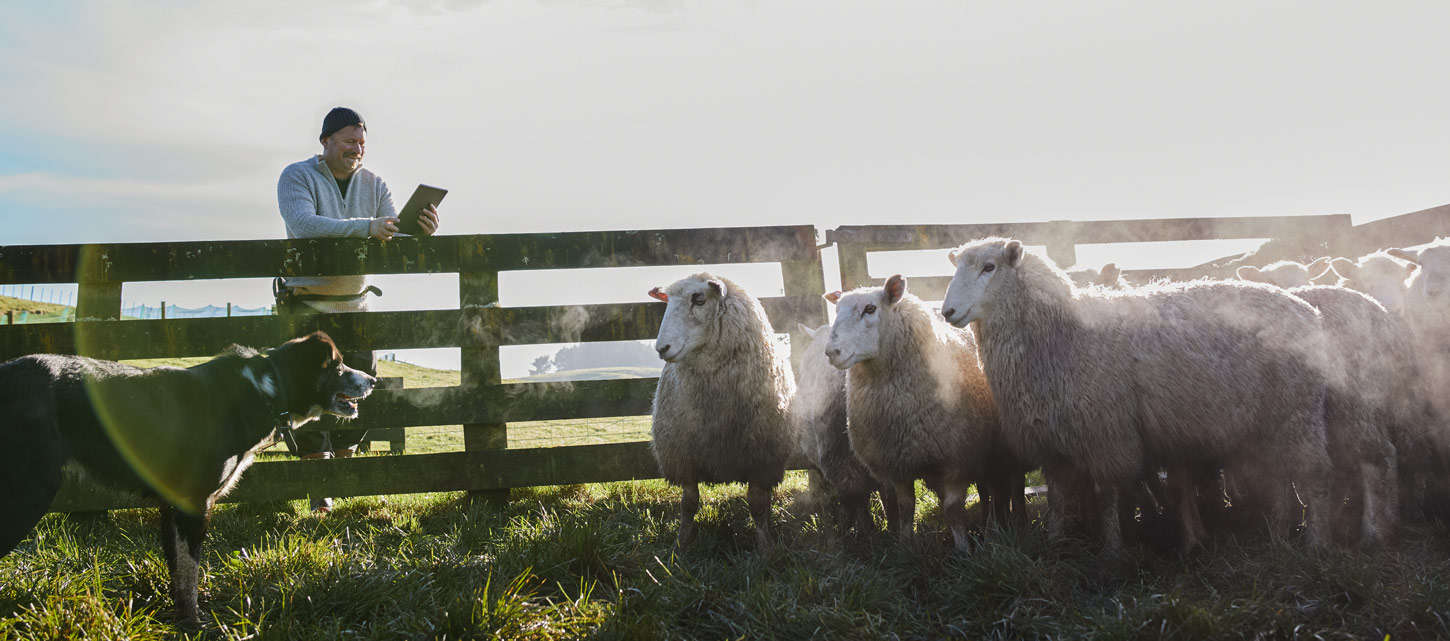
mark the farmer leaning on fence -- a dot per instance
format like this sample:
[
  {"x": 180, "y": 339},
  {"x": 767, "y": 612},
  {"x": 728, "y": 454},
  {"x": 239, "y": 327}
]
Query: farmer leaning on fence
[{"x": 331, "y": 195}]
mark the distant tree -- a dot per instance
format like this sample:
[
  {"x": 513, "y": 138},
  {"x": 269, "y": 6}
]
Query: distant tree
[
  {"x": 609, "y": 354},
  {"x": 542, "y": 365}
]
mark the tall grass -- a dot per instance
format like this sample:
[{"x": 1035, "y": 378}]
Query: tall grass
[{"x": 599, "y": 561}]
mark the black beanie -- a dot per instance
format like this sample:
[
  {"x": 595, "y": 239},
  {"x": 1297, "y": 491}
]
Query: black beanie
[{"x": 340, "y": 118}]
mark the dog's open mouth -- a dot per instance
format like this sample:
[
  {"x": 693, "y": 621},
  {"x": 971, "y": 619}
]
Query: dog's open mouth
[{"x": 346, "y": 402}]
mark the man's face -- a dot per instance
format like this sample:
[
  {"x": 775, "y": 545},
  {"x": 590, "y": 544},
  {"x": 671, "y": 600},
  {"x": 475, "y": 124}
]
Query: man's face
[{"x": 343, "y": 150}]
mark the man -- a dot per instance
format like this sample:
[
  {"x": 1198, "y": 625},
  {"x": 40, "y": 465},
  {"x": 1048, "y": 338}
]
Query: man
[{"x": 331, "y": 195}]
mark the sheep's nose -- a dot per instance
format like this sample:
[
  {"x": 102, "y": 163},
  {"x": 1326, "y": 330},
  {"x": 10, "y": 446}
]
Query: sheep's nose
[
  {"x": 662, "y": 349},
  {"x": 949, "y": 312},
  {"x": 832, "y": 353}
]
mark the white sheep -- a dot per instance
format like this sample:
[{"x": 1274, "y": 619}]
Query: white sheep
[
  {"x": 1379, "y": 275},
  {"x": 819, "y": 409},
  {"x": 1098, "y": 382},
  {"x": 1369, "y": 403},
  {"x": 1425, "y": 305},
  {"x": 1110, "y": 276},
  {"x": 1286, "y": 273},
  {"x": 722, "y": 407},
  {"x": 919, "y": 405}
]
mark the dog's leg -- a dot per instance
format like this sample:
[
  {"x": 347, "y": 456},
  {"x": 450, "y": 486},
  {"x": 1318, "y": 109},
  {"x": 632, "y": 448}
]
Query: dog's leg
[
  {"x": 181, "y": 536},
  {"x": 30, "y": 485}
]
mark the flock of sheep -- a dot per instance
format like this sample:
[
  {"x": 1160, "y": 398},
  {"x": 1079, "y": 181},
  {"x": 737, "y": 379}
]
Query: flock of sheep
[{"x": 1270, "y": 393}]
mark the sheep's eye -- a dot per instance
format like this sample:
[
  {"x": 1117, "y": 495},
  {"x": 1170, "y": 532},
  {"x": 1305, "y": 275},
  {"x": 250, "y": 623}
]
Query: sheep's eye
[
  {"x": 697, "y": 299},
  {"x": 988, "y": 268},
  {"x": 870, "y": 309}
]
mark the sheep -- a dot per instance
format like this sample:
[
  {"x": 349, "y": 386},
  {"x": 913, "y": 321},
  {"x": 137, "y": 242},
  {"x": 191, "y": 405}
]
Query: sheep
[
  {"x": 1369, "y": 402},
  {"x": 1096, "y": 382},
  {"x": 1379, "y": 275},
  {"x": 1110, "y": 276},
  {"x": 918, "y": 403},
  {"x": 722, "y": 407},
  {"x": 1286, "y": 273},
  {"x": 1423, "y": 299},
  {"x": 819, "y": 409}
]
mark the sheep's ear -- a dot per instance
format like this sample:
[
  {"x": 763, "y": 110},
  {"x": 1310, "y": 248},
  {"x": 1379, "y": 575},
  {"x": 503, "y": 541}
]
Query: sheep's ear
[
  {"x": 1408, "y": 256},
  {"x": 1110, "y": 274},
  {"x": 895, "y": 288},
  {"x": 809, "y": 331},
  {"x": 1318, "y": 268},
  {"x": 717, "y": 286},
  {"x": 952, "y": 257},
  {"x": 1249, "y": 273},
  {"x": 833, "y": 297},
  {"x": 658, "y": 294},
  {"x": 1344, "y": 267},
  {"x": 1012, "y": 253}
]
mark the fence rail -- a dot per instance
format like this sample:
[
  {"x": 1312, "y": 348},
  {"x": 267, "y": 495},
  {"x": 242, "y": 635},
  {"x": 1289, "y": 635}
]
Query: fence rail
[{"x": 482, "y": 403}]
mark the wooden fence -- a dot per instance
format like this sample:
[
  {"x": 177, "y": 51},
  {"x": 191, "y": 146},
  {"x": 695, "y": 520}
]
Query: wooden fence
[
  {"x": 1292, "y": 237},
  {"x": 485, "y": 405},
  {"x": 479, "y": 327}
]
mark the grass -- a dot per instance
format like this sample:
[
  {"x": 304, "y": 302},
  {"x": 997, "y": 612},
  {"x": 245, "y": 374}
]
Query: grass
[
  {"x": 598, "y": 561},
  {"x": 34, "y": 311}
]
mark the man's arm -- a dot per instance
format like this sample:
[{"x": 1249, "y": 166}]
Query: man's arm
[{"x": 299, "y": 210}]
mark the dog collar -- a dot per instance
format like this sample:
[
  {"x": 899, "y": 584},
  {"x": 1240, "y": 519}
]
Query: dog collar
[{"x": 284, "y": 418}]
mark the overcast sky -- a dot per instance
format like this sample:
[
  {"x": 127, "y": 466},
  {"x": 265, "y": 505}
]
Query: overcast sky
[{"x": 153, "y": 121}]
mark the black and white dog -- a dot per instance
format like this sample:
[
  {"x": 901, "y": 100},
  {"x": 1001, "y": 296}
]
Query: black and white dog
[{"x": 180, "y": 435}]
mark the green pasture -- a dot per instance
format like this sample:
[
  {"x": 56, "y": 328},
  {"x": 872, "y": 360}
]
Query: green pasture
[{"x": 599, "y": 561}]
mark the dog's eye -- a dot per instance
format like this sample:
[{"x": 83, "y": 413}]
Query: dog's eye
[{"x": 697, "y": 299}]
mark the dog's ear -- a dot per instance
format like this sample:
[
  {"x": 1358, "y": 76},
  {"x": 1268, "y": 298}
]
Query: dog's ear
[{"x": 313, "y": 351}]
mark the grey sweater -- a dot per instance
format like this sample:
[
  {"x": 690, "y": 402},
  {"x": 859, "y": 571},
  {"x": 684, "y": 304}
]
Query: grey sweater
[{"x": 313, "y": 207}]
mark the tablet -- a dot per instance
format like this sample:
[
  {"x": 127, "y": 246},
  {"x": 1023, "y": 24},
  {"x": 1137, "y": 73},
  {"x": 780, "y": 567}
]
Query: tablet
[{"x": 423, "y": 196}]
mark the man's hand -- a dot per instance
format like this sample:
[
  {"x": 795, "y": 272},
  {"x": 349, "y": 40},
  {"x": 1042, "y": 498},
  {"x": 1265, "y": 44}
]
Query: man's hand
[
  {"x": 428, "y": 220},
  {"x": 384, "y": 228}
]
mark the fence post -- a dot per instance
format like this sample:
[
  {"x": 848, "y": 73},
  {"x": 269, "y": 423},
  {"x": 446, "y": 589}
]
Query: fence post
[
  {"x": 479, "y": 366},
  {"x": 804, "y": 279}
]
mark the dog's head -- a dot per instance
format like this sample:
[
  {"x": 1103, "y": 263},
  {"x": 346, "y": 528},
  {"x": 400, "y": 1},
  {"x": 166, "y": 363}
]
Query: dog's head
[{"x": 315, "y": 381}]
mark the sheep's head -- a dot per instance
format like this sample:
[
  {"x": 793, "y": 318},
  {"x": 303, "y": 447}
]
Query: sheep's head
[
  {"x": 1432, "y": 282},
  {"x": 1378, "y": 275},
  {"x": 860, "y": 315},
  {"x": 690, "y": 305},
  {"x": 1285, "y": 273},
  {"x": 979, "y": 265},
  {"x": 1082, "y": 277},
  {"x": 1110, "y": 277}
]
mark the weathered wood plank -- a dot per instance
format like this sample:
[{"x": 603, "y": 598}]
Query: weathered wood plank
[
  {"x": 134, "y": 262},
  {"x": 1399, "y": 231},
  {"x": 446, "y": 472},
  {"x": 487, "y": 327},
  {"x": 115, "y": 340},
  {"x": 884, "y": 237},
  {"x": 510, "y": 403},
  {"x": 504, "y": 252}
]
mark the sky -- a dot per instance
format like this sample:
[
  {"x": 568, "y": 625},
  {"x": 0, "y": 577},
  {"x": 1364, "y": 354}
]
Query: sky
[{"x": 153, "y": 121}]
